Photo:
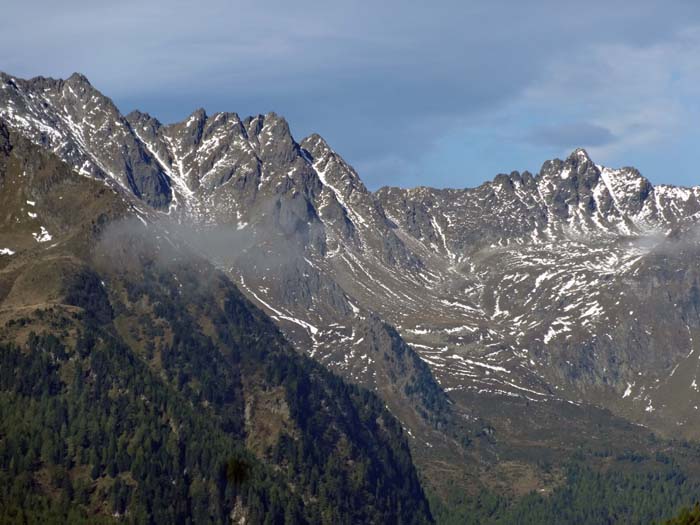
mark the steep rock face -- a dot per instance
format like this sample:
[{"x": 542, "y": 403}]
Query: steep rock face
[{"x": 84, "y": 128}]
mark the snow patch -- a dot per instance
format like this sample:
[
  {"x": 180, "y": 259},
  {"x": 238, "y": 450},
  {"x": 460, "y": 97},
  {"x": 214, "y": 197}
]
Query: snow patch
[
  {"x": 42, "y": 236},
  {"x": 628, "y": 391}
]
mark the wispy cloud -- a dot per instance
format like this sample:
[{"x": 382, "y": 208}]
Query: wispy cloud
[{"x": 637, "y": 95}]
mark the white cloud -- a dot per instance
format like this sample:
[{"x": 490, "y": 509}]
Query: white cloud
[{"x": 642, "y": 94}]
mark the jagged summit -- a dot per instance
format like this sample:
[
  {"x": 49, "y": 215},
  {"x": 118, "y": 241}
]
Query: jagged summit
[
  {"x": 580, "y": 154},
  {"x": 78, "y": 78},
  {"x": 201, "y": 152},
  {"x": 316, "y": 143},
  {"x": 221, "y": 168},
  {"x": 198, "y": 114}
]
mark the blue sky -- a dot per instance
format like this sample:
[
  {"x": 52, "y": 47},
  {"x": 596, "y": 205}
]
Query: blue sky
[{"x": 411, "y": 93}]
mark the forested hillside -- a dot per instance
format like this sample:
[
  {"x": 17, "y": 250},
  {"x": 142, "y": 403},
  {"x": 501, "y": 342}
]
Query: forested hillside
[
  {"x": 137, "y": 384},
  {"x": 632, "y": 490}
]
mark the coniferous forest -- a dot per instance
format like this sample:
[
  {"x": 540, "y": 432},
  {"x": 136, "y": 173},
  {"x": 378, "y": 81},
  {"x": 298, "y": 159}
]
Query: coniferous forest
[{"x": 91, "y": 432}]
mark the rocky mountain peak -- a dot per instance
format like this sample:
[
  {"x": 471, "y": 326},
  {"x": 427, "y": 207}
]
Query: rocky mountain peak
[
  {"x": 316, "y": 145},
  {"x": 199, "y": 114},
  {"x": 579, "y": 155},
  {"x": 331, "y": 167},
  {"x": 195, "y": 123},
  {"x": 84, "y": 128},
  {"x": 272, "y": 139},
  {"x": 78, "y": 79},
  {"x": 515, "y": 180},
  {"x": 140, "y": 116},
  {"x": 577, "y": 169}
]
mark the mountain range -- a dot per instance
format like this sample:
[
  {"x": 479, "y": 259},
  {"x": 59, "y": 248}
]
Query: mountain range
[{"x": 506, "y": 327}]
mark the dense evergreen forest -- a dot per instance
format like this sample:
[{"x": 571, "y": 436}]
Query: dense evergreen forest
[
  {"x": 635, "y": 490},
  {"x": 205, "y": 416},
  {"x": 91, "y": 435}
]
